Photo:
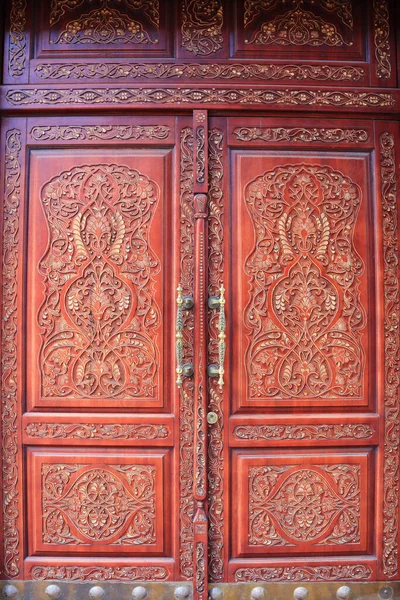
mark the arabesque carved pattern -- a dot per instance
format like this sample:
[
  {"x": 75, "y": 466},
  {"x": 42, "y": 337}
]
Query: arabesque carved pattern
[
  {"x": 93, "y": 431},
  {"x": 304, "y": 432},
  {"x": 186, "y": 410},
  {"x": 358, "y": 572},
  {"x": 289, "y": 506},
  {"x": 9, "y": 377},
  {"x": 381, "y": 39},
  {"x": 391, "y": 469},
  {"x": 112, "y": 505},
  {"x": 150, "y": 8},
  {"x": 100, "y": 132},
  {"x": 99, "y": 318},
  {"x": 17, "y": 51},
  {"x": 201, "y": 28},
  {"x": 95, "y": 573},
  {"x": 97, "y": 70},
  {"x": 305, "y": 315},
  {"x": 342, "y": 8},
  {"x": 300, "y": 134}
]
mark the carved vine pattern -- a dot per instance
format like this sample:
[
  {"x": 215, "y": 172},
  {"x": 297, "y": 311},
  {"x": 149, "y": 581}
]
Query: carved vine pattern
[
  {"x": 300, "y": 134},
  {"x": 391, "y": 469},
  {"x": 99, "y": 318},
  {"x": 215, "y": 433},
  {"x": 10, "y": 408},
  {"x": 201, "y": 71},
  {"x": 201, "y": 28},
  {"x": 150, "y": 8},
  {"x": 200, "y": 568},
  {"x": 287, "y": 506},
  {"x": 381, "y": 39},
  {"x": 94, "y": 573},
  {"x": 186, "y": 427},
  {"x": 305, "y": 314},
  {"x": 87, "y": 431},
  {"x": 343, "y": 9},
  {"x": 100, "y": 132},
  {"x": 200, "y": 155},
  {"x": 358, "y": 572},
  {"x": 106, "y": 505},
  {"x": 304, "y": 432},
  {"x": 162, "y": 96},
  {"x": 18, "y": 42}
]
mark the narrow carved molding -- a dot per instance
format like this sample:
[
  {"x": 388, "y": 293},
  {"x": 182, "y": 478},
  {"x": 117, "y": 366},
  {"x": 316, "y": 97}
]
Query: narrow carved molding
[
  {"x": 391, "y": 469},
  {"x": 300, "y": 134},
  {"x": 93, "y": 431},
  {"x": 95, "y": 573},
  {"x": 18, "y": 42},
  {"x": 381, "y": 39},
  {"x": 304, "y": 432},
  {"x": 100, "y": 132},
  {"x": 201, "y": 28},
  {"x": 307, "y": 573},
  {"x": 10, "y": 408}
]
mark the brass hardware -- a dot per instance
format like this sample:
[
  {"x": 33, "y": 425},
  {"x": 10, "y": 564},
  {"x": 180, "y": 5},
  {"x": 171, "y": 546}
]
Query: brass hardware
[
  {"x": 187, "y": 370},
  {"x": 212, "y": 418},
  {"x": 187, "y": 302},
  {"x": 179, "y": 336},
  {"x": 215, "y": 302},
  {"x": 213, "y": 370}
]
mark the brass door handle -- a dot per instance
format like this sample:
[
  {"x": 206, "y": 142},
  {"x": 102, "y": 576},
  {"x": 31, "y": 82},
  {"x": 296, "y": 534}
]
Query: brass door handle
[
  {"x": 183, "y": 303},
  {"x": 218, "y": 302}
]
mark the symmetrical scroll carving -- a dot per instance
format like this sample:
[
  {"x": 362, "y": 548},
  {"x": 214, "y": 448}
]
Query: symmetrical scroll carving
[
  {"x": 305, "y": 315},
  {"x": 99, "y": 318},
  {"x": 298, "y": 26},
  {"x": 200, "y": 155},
  {"x": 201, "y": 28},
  {"x": 305, "y": 573},
  {"x": 319, "y": 504},
  {"x": 95, "y": 573},
  {"x": 186, "y": 427},
  {"x": 108, "y": 505},
  {"x": 215, "y": 434},
  {"x": 10, "y": 409},
  {"x": 100, "y": 132},
  {"x": 391, "y": 469},
  {"x": 162, "y": 96},
  {"x": 98, "y": 70},
  {"x": 18, "y": 44},
  {"x": 105, "y": 24},
  {"x": 93, "y": 431},
  {"x": 300, "y": 134},
  {"x": 381, "y": 39},
  {"x": 304, "y": 432},
  {"x": 200, "y": 568}
]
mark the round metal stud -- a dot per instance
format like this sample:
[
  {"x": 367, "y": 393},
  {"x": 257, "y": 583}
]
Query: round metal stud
[
  {"x": 343, "y": 592},
  {"x": 386, "y": 592},
  {"x": 300, "y": 593},
  {"x": 257, "y": 593},
  {"x": 53, "y": 591},
  {"x": 139, "y": 593},
  {"x": 182, "y": 593},
  {"x": 216, "y": 593},
  {"x": 96, "y": 592},
  {"x": 10, "y": 591}
]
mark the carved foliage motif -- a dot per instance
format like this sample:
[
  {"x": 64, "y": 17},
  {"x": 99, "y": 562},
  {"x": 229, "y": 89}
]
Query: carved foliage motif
[
  {"x": 94, "y": 573},
  {"x": 99, "y": 317},
  {"x": 381, "y": 39},
  {"x": 300, "y": 134},
  {"x": 10, "y": 410},
  {"x": 303, "y": 432},
  {"x": 305, "y": 315},
  {"x": 391, "y": 474},
  {"x": 98, "y": 505},
  {"x": 92, "y": 431},
  {"x": 17, "y": 45},
  {"x": 307, "y": 573},
  {"x": 319, "y": 504},
  {"x": 105, "y": 24},
  {"x": 297, "y": 26},
  {"x": 100, "y": 132},
  {"x": 201, "y": 28}
]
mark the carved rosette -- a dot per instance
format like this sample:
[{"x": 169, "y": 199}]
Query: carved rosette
[
  {"x": 391, "y": 469},
  {"x": 201, "y": 28},
  {"x": 17, "y": 52},
  {"x": 10, "y": 407}
]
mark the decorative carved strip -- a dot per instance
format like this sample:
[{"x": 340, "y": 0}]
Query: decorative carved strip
[
  {"x": 307, "y": 573},
  {"x": 186, "y": 430},
  {"x": 17, "y": 46},
  {"x": 149, "y": 7},
  {"x": 93, "y": 431},
  {"x": 201, "y": 29},
  {"x": 200, "y": 155},
  {"x": 200, "y": 569},
  {"x": 381, "y": 39},
  {"x": 215, "y": 433},
  {"x": 343, "y": 9},
  {"x": 391, "y": 469},
  {"x": 76, "y": 573},
  {"x": 303, "y": 432},
  {"x": 162, "y": 96},
  {"x": 10, "y": 409},
  {"x": 201, "y": 71},
  {"x": 300, "y": 134},
  {"x": 101, "y": 132}
]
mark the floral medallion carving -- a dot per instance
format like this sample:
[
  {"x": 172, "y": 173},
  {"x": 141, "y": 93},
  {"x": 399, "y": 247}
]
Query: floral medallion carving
[
  {"x": 300, "y": 134},
  {"x": 99, "y": 318},
  {"x": 201, "y": 28},
  {"x": 305, "y": 315},
  {"x": 358, "y": 572},
  {"x": 17, "y": 51},
  {"x": 320, "y": 505},
  {"x": 112, "y": 505},
  {"x": 100, "y": 132},
  {"x": 96, "y": 573},
  {"x": 304, "y": 432}
]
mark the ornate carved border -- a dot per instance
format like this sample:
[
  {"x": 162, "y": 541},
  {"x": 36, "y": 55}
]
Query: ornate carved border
[
  {"x": 101, "y": 132},
  {"x": 17, "y": 48},
  {"x": 10, "y": 408},
  {"x": 304, "y": 432},
  {"x": 94, "y": 431},
  {"x": 300, "y": 134},
  {"x": 93, "y": 573},
  {"x": 381, "y": 39},
  {"x": 200, "y": 96},
  {"x": 306, "y": 573},
  {"x": 391, "y": 469}
]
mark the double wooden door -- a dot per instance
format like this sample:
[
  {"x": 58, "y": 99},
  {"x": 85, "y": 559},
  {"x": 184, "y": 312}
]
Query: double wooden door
[{"x": 285, "y": 466}]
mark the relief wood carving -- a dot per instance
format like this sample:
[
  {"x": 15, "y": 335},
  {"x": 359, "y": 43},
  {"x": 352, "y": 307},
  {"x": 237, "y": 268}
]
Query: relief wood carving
[
  {"x": 18, "y": 38},
  {"x": 93, "y": 431},
  {"x": 96, "y": 573},
  {"x": 357, "y": 572},
  {"x": 202, "y": 26},
  {"x": 100, "y": 132},
  {"x": 300, "y": 134}
]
